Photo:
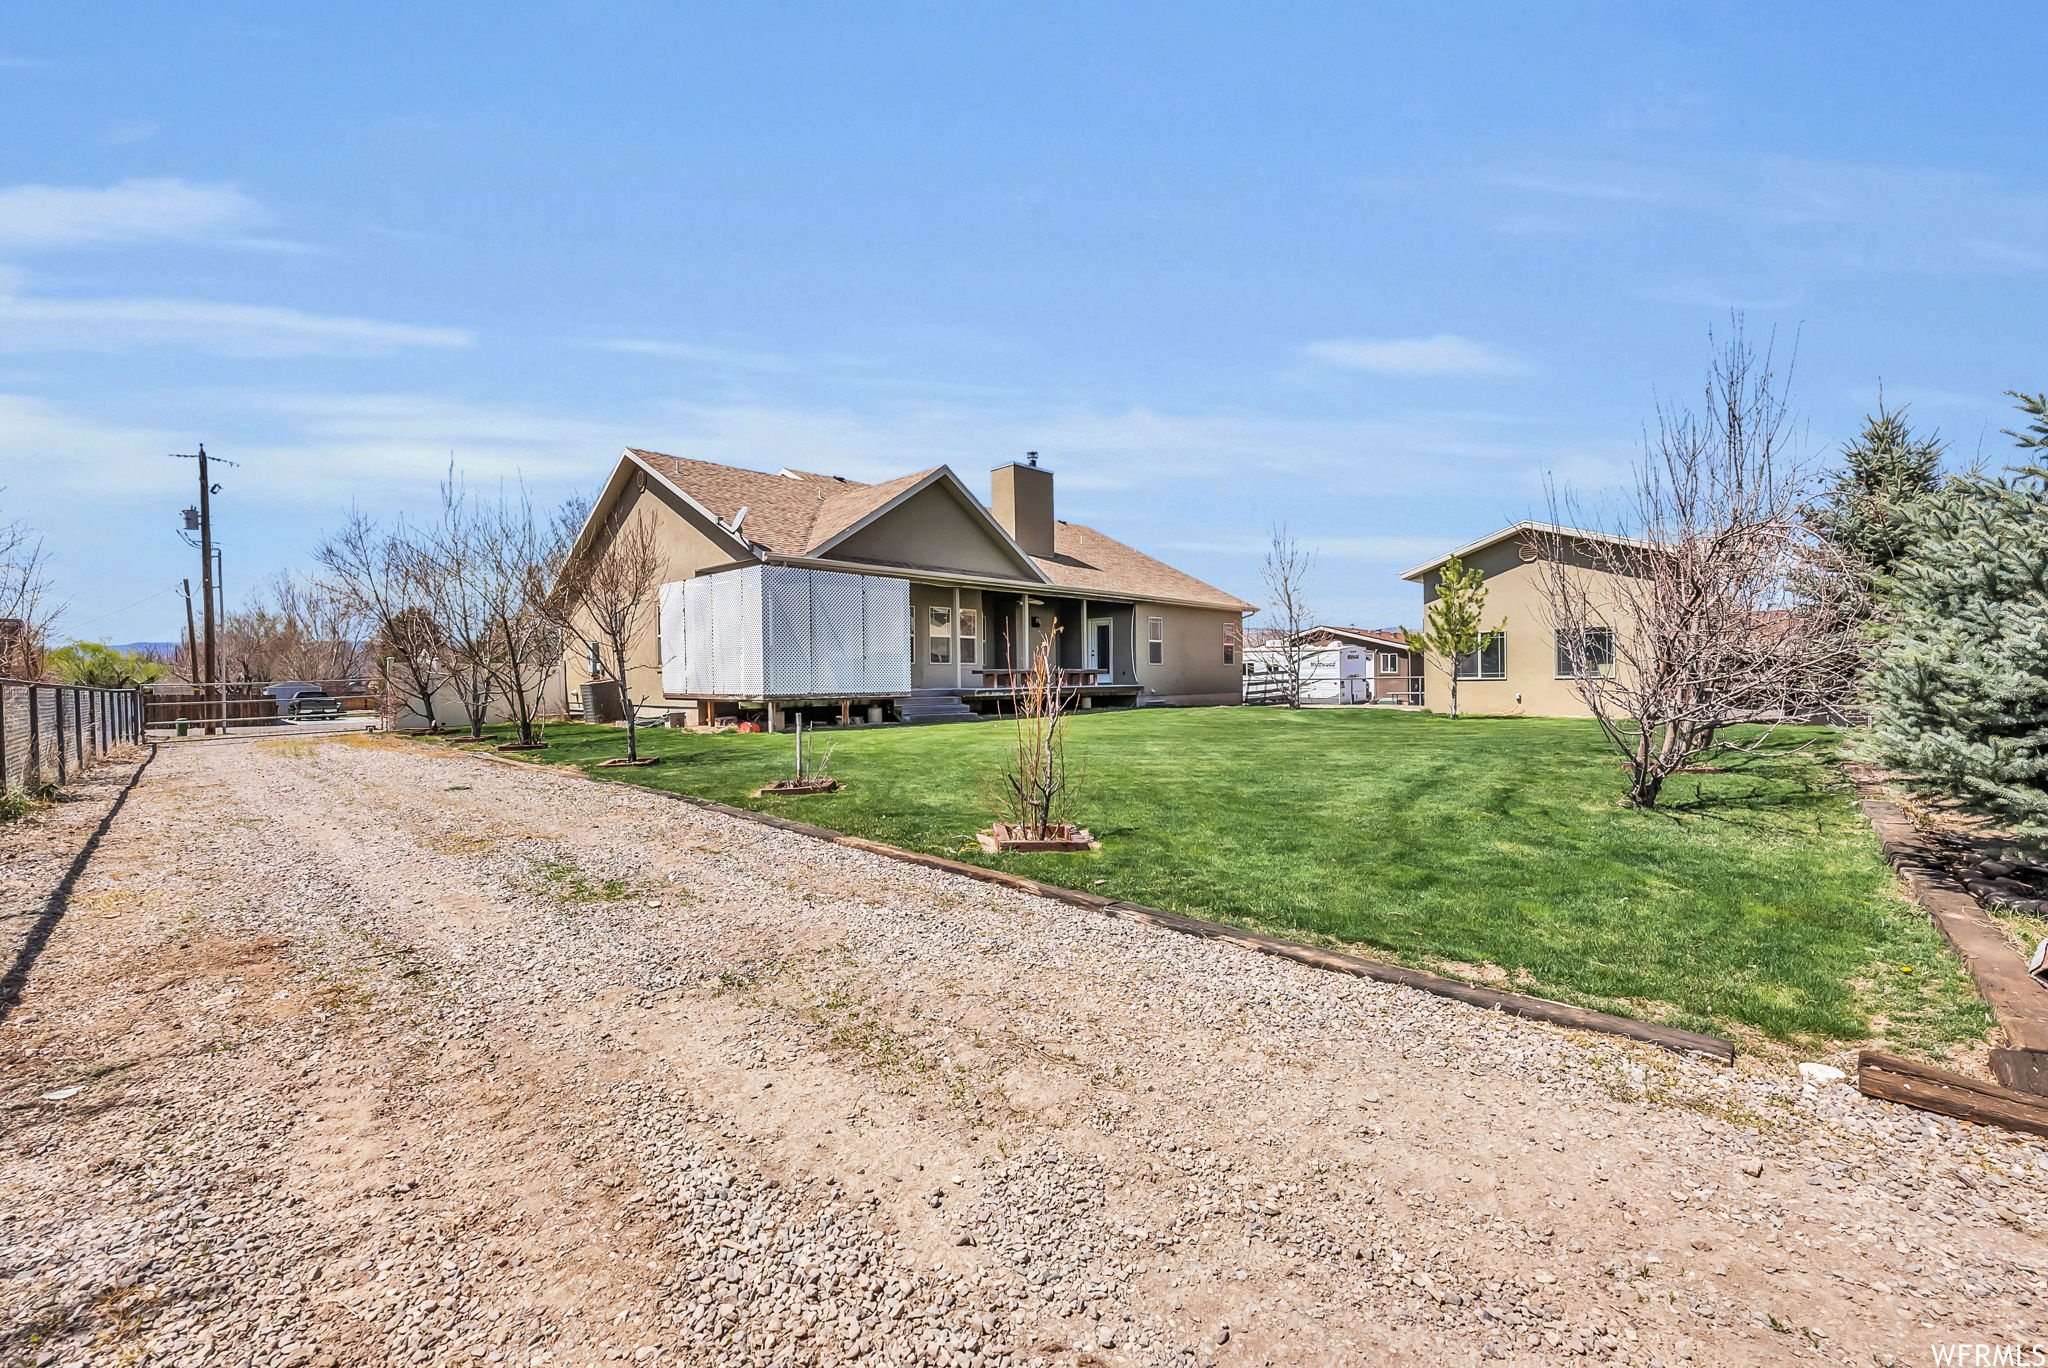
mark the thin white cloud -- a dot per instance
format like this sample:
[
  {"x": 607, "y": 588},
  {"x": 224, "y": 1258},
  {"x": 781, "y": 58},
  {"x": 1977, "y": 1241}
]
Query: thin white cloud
[
  {"x": 33, "y": 323},
  {"x": 726, "y": 357},
  {"x": 47, "y": 217},
  {"x": 1442, "y": 354}
]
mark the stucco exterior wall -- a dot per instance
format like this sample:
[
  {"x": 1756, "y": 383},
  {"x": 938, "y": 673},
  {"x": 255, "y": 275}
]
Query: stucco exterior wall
[
  {"x": 1514, "y": 594},
  {"x": 686, "y": 545},
  {"x": 1193, "y": 670},
  {"x": 932, "y": 528},
  {"x": 956, "y": 672}
]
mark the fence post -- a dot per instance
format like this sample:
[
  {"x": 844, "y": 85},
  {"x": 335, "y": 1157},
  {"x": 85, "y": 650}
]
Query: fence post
[{"x": 32, "y": 771}]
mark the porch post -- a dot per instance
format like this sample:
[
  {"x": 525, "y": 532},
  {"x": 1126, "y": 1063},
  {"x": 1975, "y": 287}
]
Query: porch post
[{"x": 958, "y": 673}]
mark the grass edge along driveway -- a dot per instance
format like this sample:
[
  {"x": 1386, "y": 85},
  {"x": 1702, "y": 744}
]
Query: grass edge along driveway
[{"x": 1754, "y": 903}]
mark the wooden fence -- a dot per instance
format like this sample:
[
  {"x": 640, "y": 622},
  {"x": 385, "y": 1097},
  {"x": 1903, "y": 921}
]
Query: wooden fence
[{"x": 49, "y": 733}]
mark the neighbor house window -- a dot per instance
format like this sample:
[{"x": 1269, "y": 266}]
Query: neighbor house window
[
  {"x": 1230, "y": 643},
  {"x": 1490, "y": 661},
  {"x": 1155, "y": 640},
  {"x": 939, "y": 635},
  {"x": 1390, "y": 663},
  {"x": 1589, "y": 651},
  {"x": 970, "y": 636}
]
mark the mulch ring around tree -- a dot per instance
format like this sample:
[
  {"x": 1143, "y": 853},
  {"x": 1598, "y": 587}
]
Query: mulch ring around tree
[
  {"x": 783, "y": 788},
  {"x": 1053, "y": 839}
]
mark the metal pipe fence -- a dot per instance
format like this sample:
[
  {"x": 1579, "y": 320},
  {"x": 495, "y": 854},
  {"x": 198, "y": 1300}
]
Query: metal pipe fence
[
  {"x": 49, "y": 733},
  {"x": 233, "y": 705}
]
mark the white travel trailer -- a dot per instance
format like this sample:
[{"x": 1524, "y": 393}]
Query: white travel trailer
[{"x": 1338, "y": 665}]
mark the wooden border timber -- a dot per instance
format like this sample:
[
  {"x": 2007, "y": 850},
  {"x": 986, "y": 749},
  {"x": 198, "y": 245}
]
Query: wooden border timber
[
  {"x": 1493, "y": 999},
  {"x": 2016, "y": 997},
  {"x": 1893, "y": 1079}
]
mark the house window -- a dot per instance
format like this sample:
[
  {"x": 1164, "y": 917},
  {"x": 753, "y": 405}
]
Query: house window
[
  {"x": 1230, "y": 643},
  {"x": 1590, "y": 650},
  {"x": 1155, "y": 640},
  {"x": 1390, "y": 663},
  {"x": 970, "y": 636},
  {"x": 939, "y": 636},
  {"x": 1490, "y": 661}
]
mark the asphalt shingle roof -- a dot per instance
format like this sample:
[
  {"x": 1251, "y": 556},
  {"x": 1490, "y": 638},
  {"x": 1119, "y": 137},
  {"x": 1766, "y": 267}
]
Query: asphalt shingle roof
[{"x": 791, "y": 513}]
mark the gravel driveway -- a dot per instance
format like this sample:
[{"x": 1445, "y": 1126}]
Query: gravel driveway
[{"x": 355, "y": 1051}]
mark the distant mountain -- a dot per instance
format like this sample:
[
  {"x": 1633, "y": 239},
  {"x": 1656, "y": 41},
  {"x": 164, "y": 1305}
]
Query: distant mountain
[{"x": 163, "y": 648}]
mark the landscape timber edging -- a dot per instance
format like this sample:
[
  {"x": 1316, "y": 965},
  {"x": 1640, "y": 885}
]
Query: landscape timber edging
[
  {"x": 1893, "y": 1079},
  {"x": 2017, "y": 999},
  {"x": 1493, "y": 999}
]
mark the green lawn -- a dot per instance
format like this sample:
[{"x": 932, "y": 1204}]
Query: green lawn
[{"x": 1754, "y": 902}]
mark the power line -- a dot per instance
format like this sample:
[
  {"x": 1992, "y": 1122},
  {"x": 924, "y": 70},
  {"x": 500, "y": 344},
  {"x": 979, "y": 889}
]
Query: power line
[{"x": 124, "y": 608}]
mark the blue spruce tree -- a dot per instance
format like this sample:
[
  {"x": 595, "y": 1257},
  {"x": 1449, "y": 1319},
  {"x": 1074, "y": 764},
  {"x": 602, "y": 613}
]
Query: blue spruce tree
[{"x": 1960, "y": 687}]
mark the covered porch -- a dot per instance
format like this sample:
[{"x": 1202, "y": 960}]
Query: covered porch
[{"x": 1094, "y": 648}]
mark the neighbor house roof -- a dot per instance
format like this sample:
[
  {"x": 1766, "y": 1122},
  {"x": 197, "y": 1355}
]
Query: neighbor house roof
[
  {"x": 1392, "y": 637},
  {"x": 799, "y": 513},
  {"x": 1523, "y": 528}
]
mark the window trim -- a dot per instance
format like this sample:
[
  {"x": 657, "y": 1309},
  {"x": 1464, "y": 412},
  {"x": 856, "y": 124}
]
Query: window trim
[
  {"x": 1155, "y": 640},
  {"x": 1487, "y": 641},
  {"x": 967, "y": 632},
  {"x": 1604, "y": 671}
]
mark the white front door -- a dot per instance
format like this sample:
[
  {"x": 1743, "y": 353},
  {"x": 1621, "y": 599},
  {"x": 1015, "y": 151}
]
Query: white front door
[{"x": 1101, "y": 644}]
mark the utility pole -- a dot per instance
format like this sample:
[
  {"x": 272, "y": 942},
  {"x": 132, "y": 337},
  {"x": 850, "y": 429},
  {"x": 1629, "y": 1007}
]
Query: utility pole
[
  {"x": 191, "y": 636},
  {"x": 200, "y": 520}
]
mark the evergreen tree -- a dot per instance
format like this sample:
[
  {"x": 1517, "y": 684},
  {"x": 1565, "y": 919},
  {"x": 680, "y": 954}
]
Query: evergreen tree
[
  {"x": 1455, "y": 620},
  {"x": 1960, "y": 690},
  {"x": 1887, "y": 468}
]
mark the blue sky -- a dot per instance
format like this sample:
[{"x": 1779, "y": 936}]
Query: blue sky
[{"x": 1369, "y": 270}]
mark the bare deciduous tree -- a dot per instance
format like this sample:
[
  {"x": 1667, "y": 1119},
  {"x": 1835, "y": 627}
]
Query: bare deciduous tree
[
  {"x": 295, "y": 629},
  {"x": 1712, "y": 606},
  {"x": 1285, "y": 575},
  {"x": 1035, "y": 789},
  {"x": 605, "y": 598},
  {"x": 376, "y": 572},
  {"x": 519, "y": 553},
  {"x": 27, "y": 609}
]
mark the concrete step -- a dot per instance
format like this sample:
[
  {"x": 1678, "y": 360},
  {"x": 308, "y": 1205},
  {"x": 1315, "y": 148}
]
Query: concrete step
[{"x": 935, "y": 707}]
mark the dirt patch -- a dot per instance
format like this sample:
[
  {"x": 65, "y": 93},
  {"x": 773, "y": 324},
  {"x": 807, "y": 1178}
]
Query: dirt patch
[{"x": 630, "y": 1079}]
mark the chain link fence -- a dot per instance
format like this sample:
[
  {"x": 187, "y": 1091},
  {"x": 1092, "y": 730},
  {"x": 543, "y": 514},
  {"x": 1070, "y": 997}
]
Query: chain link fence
[{"x": 49, "y": 733}]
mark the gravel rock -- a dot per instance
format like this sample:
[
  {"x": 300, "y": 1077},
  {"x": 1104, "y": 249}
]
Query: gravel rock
[{"x": 391, "y": 1055}]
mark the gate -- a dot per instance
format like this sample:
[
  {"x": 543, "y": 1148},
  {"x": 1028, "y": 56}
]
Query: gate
[
  {"x": 49, "y": 733},
  {"x": 235, "y": 705}
]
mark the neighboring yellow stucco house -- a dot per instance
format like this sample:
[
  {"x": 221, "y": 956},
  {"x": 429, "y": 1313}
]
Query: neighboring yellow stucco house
[
  {"x": 1524, "y": 669},
  {"x": 795, "y": 591}
]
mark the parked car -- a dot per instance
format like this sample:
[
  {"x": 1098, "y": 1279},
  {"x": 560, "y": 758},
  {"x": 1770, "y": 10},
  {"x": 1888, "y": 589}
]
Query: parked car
[{"x": 304, "y": 700}]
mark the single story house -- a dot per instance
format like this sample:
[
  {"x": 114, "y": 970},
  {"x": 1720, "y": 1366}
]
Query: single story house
[
  {"x": 1525, "y": 667},
  {"x": 908, "y": 599},
  {"x": 1338, "y": 665}
]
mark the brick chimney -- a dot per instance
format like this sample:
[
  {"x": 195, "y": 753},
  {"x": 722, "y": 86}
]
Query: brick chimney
[{"x": 1023, "y": 504}]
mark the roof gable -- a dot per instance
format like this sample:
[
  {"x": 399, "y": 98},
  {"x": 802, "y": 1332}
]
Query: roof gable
[
  {"x": 1525, "y": 528},
  {"x": 929, "y": 518}
]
